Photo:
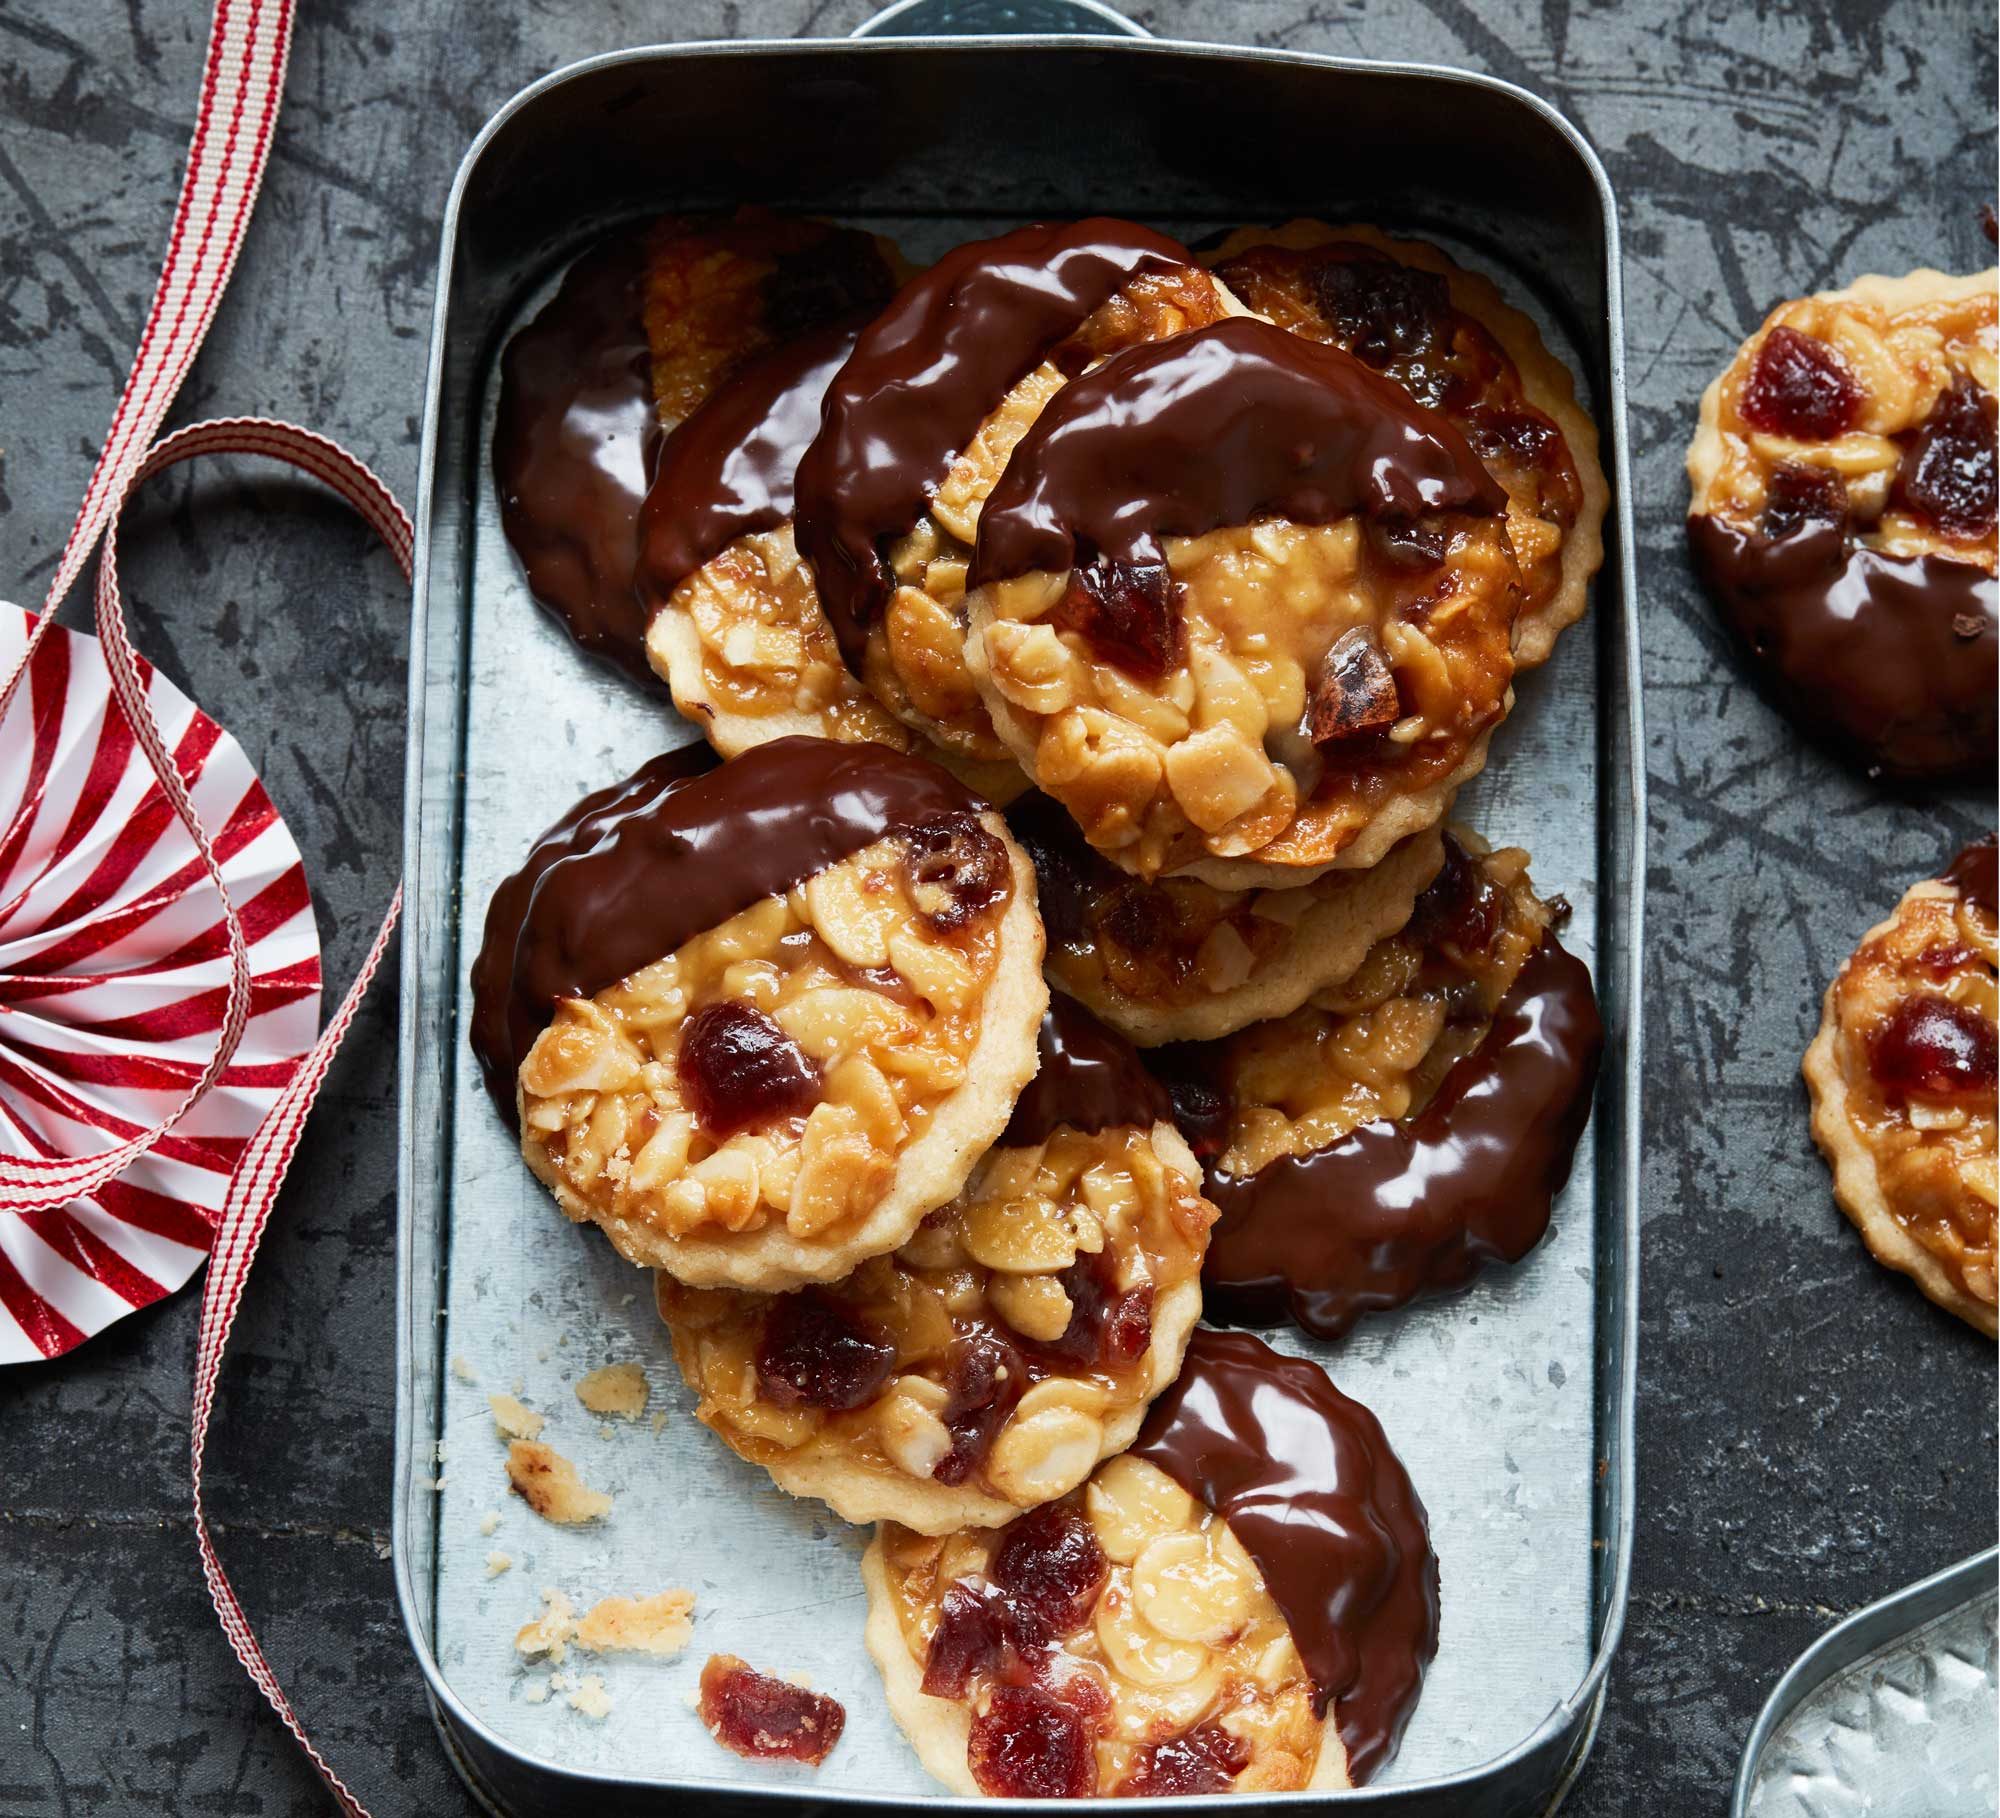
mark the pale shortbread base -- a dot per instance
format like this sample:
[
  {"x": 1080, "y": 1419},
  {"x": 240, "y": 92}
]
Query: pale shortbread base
[
  {"x": 928, "y": 1173},
  {"x": 938, "y": 1729},
  {"x": 1545, "y": 381},
  {"x": 1708, "y": 452},
  {"x": 1324, "y": 947},
  {"x": 865, "y": 1492},
  {"x": 1857, "y": 1186}
]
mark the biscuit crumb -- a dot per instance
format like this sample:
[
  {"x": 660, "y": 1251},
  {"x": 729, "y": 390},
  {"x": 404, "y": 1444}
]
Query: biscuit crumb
[
  {"x": 549, "y": 1633},
  {"x": 662, "y": 1624},
  {"x": 547, "y": 1482},
  {"x": 591, "y": 1698},
  {"x": 463, "y": 1370},
  {"x": 606, "y": 1431},
  {"x": 618, "y": 1388},
  {"x": 536, "y": 1691},
  {"x": 514, "y": 1420},
  {"x": 441, "y": 1451},
  {"x": 498, "y": 1562},
  {"x": 489, "y": 1522},
  {"x": 560, "y": 1682},
  {"x": 659, "y": 1419}
]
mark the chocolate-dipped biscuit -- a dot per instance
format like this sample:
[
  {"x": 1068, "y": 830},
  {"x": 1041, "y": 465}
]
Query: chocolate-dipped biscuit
[
  {"x": 1843, "y": 516},
  {"x": 918, "y": 424},
  {"x": 1244, "y": 607},
  {"x": 644, "y": 327},
  {"x": 1174, "y": 959},
  {"x": 1902, "y": 1075},
  {"x": 1449, "y": 338},
  {"x": 1246, "y": 1601},
  {"x": 1013, "y": 1342},
  {"x": 772, "y": 1012},
  {"x": 1406, "y": 1129}
]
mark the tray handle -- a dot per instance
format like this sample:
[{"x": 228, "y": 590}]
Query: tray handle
[{"x": 998, "y": 18}]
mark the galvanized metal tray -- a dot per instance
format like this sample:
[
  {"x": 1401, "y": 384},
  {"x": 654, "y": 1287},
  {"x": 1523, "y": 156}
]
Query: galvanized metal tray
[
  {"x": 1511, "y": 1405},
  {"x": 1896, "y": 1712}
]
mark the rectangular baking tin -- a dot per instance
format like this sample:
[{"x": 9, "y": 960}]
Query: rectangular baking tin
[{"x": 1512, "y": 1404}]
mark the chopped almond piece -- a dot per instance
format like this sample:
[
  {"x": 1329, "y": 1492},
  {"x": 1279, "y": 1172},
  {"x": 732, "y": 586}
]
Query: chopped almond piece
[
  {"x": 547, "y": 1482},
  {"x": 513, "y": 1419},
  {"x": 662, "y": 1624},
  {"x": 618, "y": 1388}
]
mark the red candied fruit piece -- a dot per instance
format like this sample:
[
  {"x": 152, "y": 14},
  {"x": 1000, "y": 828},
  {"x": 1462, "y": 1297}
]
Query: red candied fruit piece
[
  {"x": 956, "y": 869},
  {"x": 765, "y": 1719},
  {"x": 1355, "y": 696},
  {"x": 815, "y": 1353},
  {"x": 984, "y": 1378},
  {"x": 1799, "y": 497},
  {"x": 1206, "y": 1760},
  {"x": 1394, "y": 317},
  {"x": 738, "y": 1068},
  {"x": 1462, "y": 905},
  {"x": 1200, "y": 1096},
  {"x": 1050, "y": 1569},
  {"x": 970, "y": 1637},
  {"x": 1141, "y": 919},
  {"x": 1933, "y": 1046},
  {"x": 1947, "y": 475},
  {"x": 1129, "y": 614},
  {"x": 1107, "y": 1327},
  {"x": 1521, "y": 434},
  {"x": 1028, "y": 1744},
  {"x": 1800, "y": 387}
]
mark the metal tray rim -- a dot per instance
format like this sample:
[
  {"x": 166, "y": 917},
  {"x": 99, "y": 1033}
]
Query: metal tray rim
[
  {"x": 1589, "y": 1692},
  {"x": 1853, "y": 1638}
]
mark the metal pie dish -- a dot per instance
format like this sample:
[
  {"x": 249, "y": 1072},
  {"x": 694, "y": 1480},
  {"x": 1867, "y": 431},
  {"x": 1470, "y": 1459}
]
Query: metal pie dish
[{"x": 1511, "y": 1405}]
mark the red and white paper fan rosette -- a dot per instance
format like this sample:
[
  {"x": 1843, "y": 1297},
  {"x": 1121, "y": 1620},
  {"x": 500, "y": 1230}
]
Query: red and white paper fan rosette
[{"x": 114, "y": 976}]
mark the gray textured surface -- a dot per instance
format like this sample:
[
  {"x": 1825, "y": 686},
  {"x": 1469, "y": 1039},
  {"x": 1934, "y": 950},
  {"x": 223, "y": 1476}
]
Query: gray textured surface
[{"x": 1813, "y": 1433}]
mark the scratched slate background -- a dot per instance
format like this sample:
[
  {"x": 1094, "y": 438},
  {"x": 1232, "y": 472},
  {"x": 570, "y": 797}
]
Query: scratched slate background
[{"x": 1813, "y": 1434}]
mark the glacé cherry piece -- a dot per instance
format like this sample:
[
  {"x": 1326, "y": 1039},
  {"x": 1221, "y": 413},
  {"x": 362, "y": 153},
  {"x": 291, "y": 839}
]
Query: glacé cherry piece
[
  {"x": 1800, "y": 387},
  {"x": 1205, "y": 1760},
  {"x": 970, "y": 1637},
  {"x": 1798, "y": 495},
  {"x": 1028, "y": 1744},
  {"x": 955, "y": 868},
  {"x": 1461, "y": 906},
  {"x": 1934, "y": 1047},
  {"x": 1947, "y": 475},
  {"x": 1050, "y": 1569},
  {"x": 1390, "y": 315},
  {"x": 761, "y": 1718},
  {"x": 1108, "y": 1327},
  {"x": 1129, "y": 614},
  {"x": 1201, "y": 1097},
  {"x": 984, "y": 1378},
  {"x": 815, "y": 1353},
  {"x": 737, "y": 1068},
  {"x": 1355, "y": 695},
  {"x": 1521, "y": 434}
]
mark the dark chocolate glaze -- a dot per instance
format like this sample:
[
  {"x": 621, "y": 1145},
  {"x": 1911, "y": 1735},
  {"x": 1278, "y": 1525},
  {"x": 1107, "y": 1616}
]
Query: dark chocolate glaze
[
  {"x": 1219, "y": 426},
  {"x": 574, "y": 444},
  {"x": 1972, "y": 874},
  {"x": 636, "y": 870},
  {"x": 1396, "y": 1210},
  {"x": 926, "y": 373},
  {"x": 1071, "y": 875},
  {"x": 1309, "y": 1485},
  {"x": 1087, "y": 1077},
  {"x": 1895, "y": 658},
  {"x": 727, "y": 472}
]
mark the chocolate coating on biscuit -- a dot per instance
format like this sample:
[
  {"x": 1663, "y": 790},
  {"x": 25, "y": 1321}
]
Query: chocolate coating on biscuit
[
  {"x": 1220, "y": 426},
  {"x": 728, "y": 471},
  {"x": 1892, "y": 658},
  {"x": 1395, "y": 1210},
  {"x": 573, "y": 448},
  {"x": 926, "y": 373},
  {"x": 1973, "y": 874},
  {"x": 636, "y": 870},
  {"x": 1087, "y": 1077},
  {"x": 1308, "y": 1483}
]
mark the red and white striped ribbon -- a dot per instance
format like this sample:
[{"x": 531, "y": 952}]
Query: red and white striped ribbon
[{"x": 242, "y": 82}]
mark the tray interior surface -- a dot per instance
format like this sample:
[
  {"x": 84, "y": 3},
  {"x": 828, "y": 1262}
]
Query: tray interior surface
[{"x": 1493, "y": 1398}]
